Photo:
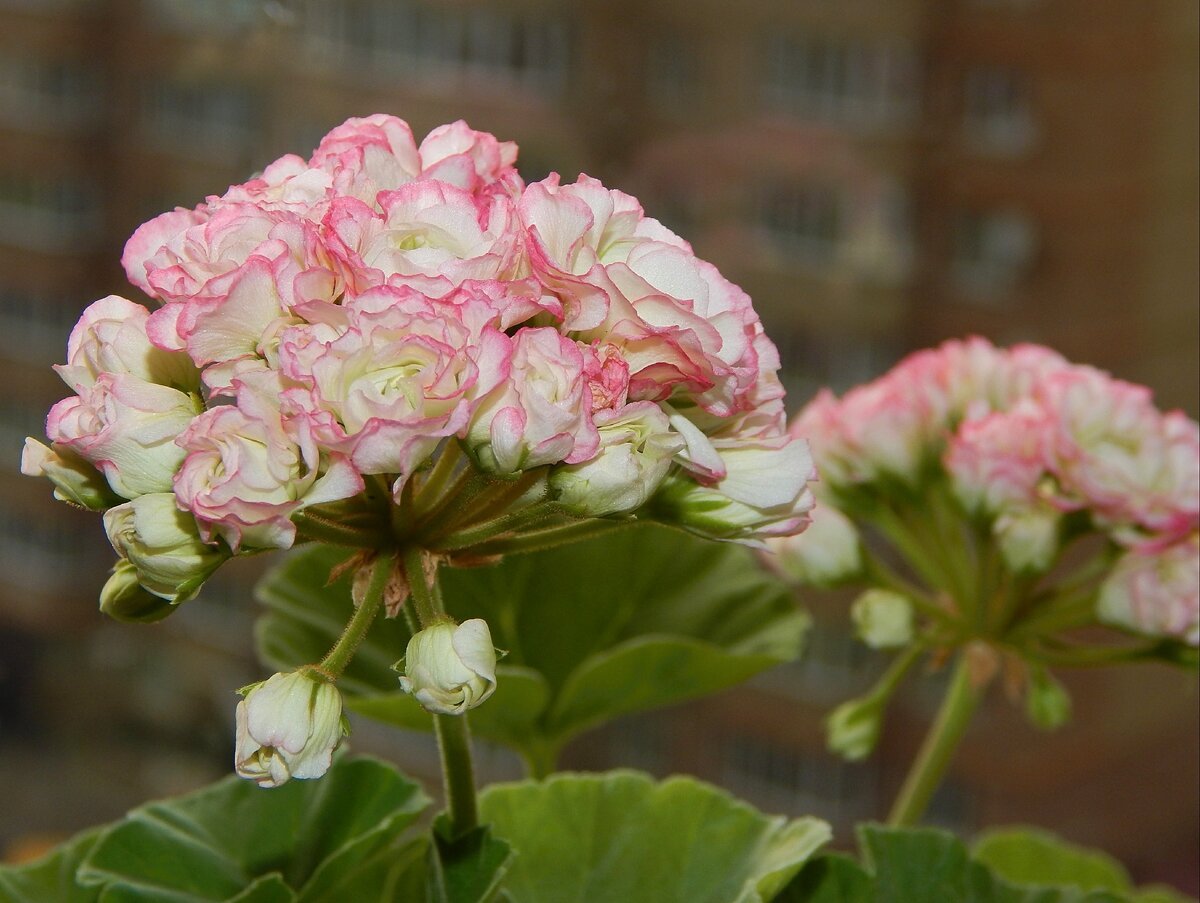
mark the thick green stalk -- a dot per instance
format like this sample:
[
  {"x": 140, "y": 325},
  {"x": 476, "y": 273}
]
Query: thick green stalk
[
  {"x": 356, "y": 630},
  {"x": 960, "y": 703},
  {"x": 453, "y": 734}
]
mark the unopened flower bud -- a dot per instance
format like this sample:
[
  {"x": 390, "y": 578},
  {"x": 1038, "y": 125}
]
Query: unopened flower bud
[
  {"x": 1029, "y": 539},
  {"x": 123, "y": 598},
  {"x": 75, "y": 480},
  {"x": 636, "y": 447},
  {"x": 883, "y": 619},
  {"x": 764, "y": 493},
  {"x": 1047, "y": 702},
  {"x": 163, "y": 543},
  {"x": 288, "y": 727},
  {"x": 825, "y": 554},
  {"x": 449, "y": 667},
  {"x": 853, "y": 728}
]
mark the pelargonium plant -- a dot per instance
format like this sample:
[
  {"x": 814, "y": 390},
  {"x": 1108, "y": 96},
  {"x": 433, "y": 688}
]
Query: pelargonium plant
[
  {"x": 403, "y": 349},
  {"x": 406, "y": 360},
  {"x": 998, "y": 502}
]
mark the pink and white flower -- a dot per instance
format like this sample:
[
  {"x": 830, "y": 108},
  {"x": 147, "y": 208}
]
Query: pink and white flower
[
  {"x": 110, "y": 337},
  {"x": 1157, "y": 593},
  {"x": 126, "y": 427},
  {"x": 248, "y": 470},
  {"x": 368, "y": 155},
  {"x": 541, "y": 414},
  {"x": 399, "y": 380},
  {"x": 429, "y": 235},
  {"x": 474, "y": 161}
]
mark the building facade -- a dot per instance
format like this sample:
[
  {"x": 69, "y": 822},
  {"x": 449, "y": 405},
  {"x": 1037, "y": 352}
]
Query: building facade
[{"x": 879, "y": 175}]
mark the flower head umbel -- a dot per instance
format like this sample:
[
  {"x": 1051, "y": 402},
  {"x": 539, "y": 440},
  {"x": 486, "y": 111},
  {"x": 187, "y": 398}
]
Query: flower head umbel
[
  {"x": 288, "y": 727},
  {"x": 967, "y": 471},
  {"x": 396, "y": 345},
  {"x": 450, "y": 667}
]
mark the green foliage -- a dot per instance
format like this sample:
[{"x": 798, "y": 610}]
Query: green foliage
[
  {"x": 634, "y": 620},
  {"x": 348, "y": 836},
  {"x": 921, "y": 865},
  {"x": 621, "y": 838},
  {"x": 51, "y": 879}
]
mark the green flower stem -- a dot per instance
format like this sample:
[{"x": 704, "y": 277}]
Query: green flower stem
[
  {"x": 360, "y": 622},
  {"x": 883, "y": 575},
  {"x": 509, "y": 522},
  {"x": 540, "y": 760},
  {"x": 1063, "y": 613},
  {"x": 437, "y": 480},
  {"x": 453, "y": 503},
  {"x": 549, "y": 537},
  {"x": 958, "y": 550},
  {"x": 421, "y": 593},
  {"x": 897, "y": 671},
  {"x": 311, "y": 525},
  {"x": 897, "y": 532},
  {"x": 453, "y": 733},
  {"x": 927, "y": 771},
  {"x": 527, "y": 488},
  {"x": 458, "y": 772},
  {"x": 1092, "y": 656}
]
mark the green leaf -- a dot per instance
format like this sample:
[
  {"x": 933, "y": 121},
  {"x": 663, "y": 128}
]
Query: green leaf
[
  {"x": 621, "y": 837},
  {"x": 234, "y": 840},
  {"x": 634, "y": 620},
  {"x": 1032, "y": 856},
  {"x": 923, "y": 865},
  {"x": 830, "y": 878},
  {"x": 51, "y": 879},
  {"x": 521, "y": 696}
]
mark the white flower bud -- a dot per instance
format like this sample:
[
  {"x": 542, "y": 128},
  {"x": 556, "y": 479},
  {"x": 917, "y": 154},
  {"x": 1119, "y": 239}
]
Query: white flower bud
[
  {"x": 853, "y": 728},
  {"x": 288, "y": 727},
  {"x": 75, "y": 480},
  {"x": 883, "y": 619},
  {"x": 825, "y": 554},
  {"x": 164, "y": 545},
  {"x": 450, "y": 668},
  {"x": 123, "y": 597},
  {"x": 764, "y": 493},
  {"x": 1028, "y": 539},
  {"x": 636, "y": 448},
  {"x": 1047, "y": 702}
]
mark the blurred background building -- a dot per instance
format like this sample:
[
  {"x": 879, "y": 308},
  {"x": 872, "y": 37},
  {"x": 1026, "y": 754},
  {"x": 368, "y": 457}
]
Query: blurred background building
[{"x": 878, "y": 174}]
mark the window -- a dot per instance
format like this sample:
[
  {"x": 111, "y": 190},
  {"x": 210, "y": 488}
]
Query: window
[
  {"x": 992, "y": 252},
  {"x": 806, "y": 221},
  {"x": 187, "y": 16},
  {"x": 879, "y": 246},
  {"x": 795, "y": 779},
  {"x": 49, "y": 214},
  {"x": 48, "y": 94},
  {"x": 869, "y": 83},
  {"x": 37, "y": 548},
  {"x": 997, "y": 110},
  {"x": 673, "y": 74},
  {"x": 437, "y": 42},
  {"x": 34, "y": 325},
  {"x": 199, "y": 119}
]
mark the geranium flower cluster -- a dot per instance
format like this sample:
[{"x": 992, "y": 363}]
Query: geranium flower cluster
[
  {"x": 335, "y": 326},
  {"x": 1031, "y": 451}
]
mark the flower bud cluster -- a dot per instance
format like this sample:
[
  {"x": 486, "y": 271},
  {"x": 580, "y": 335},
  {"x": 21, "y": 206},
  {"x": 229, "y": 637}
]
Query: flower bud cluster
[
  {"x": 344, "y": 318},
  {"x": 1031, "y": 448}
]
